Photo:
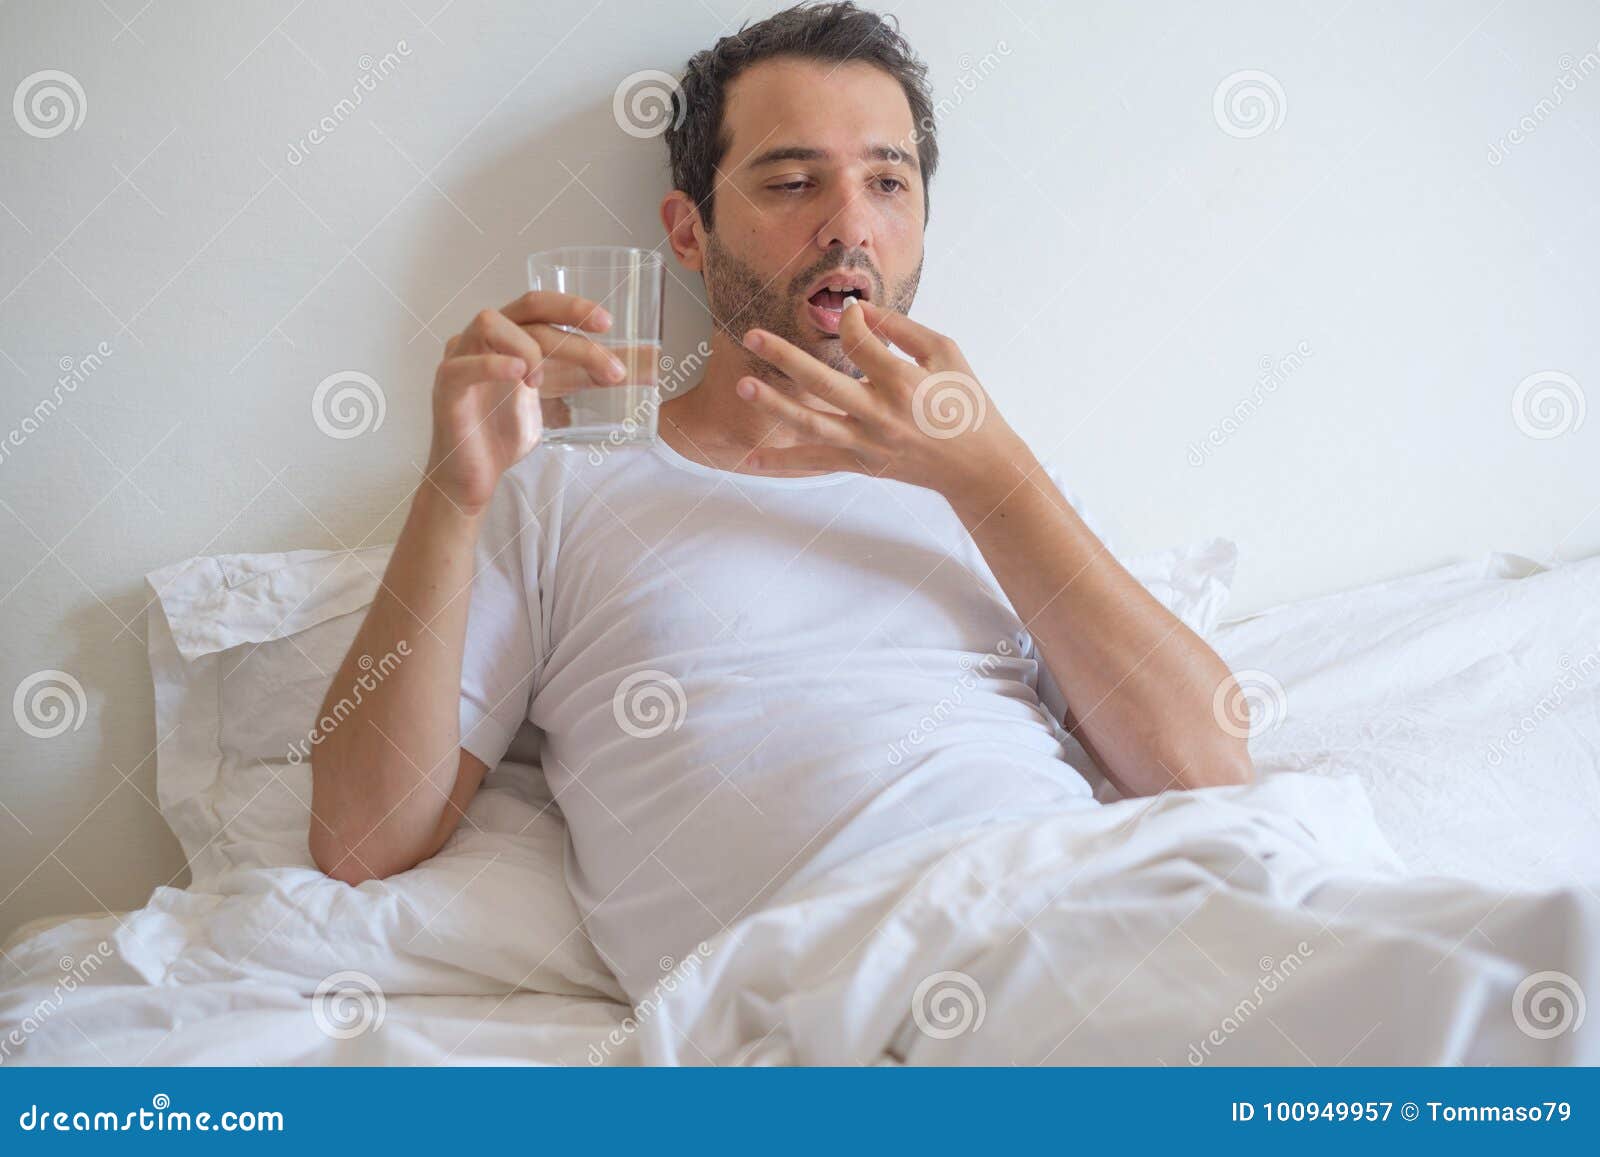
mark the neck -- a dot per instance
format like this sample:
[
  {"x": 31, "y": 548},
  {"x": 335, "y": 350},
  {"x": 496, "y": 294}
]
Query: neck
[{"x": 710, "y": 423}]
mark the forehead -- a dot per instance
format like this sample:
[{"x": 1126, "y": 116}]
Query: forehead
[{"x": 836, "y": 107}]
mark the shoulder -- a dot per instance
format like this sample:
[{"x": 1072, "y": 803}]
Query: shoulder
[{"x": 553, "y": 482}]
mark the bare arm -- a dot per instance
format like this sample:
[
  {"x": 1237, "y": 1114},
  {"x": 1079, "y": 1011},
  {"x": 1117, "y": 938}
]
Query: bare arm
[
  {"x": 390, "y": 780},
  {"x": 1139, "y": 684}
]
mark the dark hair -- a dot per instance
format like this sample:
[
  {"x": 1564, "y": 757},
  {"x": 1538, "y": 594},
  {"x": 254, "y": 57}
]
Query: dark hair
[{"x": 837, "y": 32}]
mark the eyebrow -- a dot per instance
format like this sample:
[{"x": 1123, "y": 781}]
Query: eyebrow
[{"x": 876, "y": 152}]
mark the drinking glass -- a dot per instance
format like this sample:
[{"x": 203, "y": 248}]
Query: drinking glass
[{"x": 629, "y": 284}]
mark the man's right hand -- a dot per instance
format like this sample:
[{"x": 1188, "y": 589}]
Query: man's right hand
[{"x": 485, "y": 393}]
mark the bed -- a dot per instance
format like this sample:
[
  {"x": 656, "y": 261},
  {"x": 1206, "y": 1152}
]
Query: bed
[{"x": 1457, "y": 711}]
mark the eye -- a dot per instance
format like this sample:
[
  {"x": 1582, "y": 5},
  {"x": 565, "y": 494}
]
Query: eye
[
  {"x": 788, "y": 187},
  {"x": 898, "y": 185}
]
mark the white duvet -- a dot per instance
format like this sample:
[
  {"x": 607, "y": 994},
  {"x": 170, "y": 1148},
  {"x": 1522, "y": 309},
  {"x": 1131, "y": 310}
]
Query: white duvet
[{"x": 1443, "y": 724}]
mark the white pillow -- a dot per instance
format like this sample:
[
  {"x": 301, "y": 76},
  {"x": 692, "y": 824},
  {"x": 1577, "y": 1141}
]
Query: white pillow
[{"x": 241, "y": 651}]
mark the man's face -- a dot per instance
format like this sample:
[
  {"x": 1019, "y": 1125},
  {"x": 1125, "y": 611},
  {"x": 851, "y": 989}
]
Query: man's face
[{"x": 820, "y": 184}]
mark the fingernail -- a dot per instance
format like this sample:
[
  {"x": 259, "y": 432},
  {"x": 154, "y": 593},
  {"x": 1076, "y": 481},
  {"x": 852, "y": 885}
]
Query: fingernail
[
  {"x": 536, "y": 379},
  {"x": 602, "y": 317},
  {"x": 746, "y": 388},
  {"x": 519, "y": 367},
  {"x": 752, "y": 340},
  {"x": 618, "y": 370}
]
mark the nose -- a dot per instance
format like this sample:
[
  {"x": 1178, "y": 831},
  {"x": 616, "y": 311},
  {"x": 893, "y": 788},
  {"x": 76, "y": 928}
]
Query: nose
[{"x": 849, "y": 222}]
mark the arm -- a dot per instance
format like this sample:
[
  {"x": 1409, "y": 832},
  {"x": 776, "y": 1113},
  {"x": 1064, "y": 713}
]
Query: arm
[
  {"x": 1139, "y": 684},
  {"x": 390, "y": 780}
]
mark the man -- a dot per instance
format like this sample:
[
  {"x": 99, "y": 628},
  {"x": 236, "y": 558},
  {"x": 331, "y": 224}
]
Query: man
[{"x": 815, "y": 617}]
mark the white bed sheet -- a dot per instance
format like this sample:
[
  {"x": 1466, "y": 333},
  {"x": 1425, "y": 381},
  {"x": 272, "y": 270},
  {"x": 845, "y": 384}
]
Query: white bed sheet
[{"x": 1400, "y": 693}]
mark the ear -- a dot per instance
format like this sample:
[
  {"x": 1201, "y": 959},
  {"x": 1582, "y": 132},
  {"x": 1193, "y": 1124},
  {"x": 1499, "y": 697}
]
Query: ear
[{"x": 685, "y": 231}]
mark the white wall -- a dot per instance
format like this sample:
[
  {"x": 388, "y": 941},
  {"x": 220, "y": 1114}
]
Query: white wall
[{"x": 1116, "y": 265}]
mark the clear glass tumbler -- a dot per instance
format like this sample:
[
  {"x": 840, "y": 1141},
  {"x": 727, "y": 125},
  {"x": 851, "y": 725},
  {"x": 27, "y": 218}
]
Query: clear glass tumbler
[{"x": 629, "y": 284}]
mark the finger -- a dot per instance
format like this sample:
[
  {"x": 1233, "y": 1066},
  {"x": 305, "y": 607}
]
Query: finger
[
  {"x": 805, "y": 459},
  {"x": 827, "y": 429},
  {"x": 586, "y": 353},
  {"x": 929, "y": 347},
  {"x": 473, "y": 369},
  {"x": 552, "y": 308},
  {"x": 492, "y": 332},
  {"x": 807, "y": 372},
  {"x": 867, "y": 350}
]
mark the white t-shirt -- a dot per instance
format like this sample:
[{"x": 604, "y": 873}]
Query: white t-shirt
[{"x": 740, "y": 682}]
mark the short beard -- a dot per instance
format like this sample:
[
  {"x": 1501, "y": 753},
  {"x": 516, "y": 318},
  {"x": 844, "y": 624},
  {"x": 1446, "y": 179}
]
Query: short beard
[{"x": 740, "y": 300}]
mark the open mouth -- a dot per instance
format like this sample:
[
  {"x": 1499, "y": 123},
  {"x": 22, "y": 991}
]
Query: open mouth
[{"x": 826, "y": 303}]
